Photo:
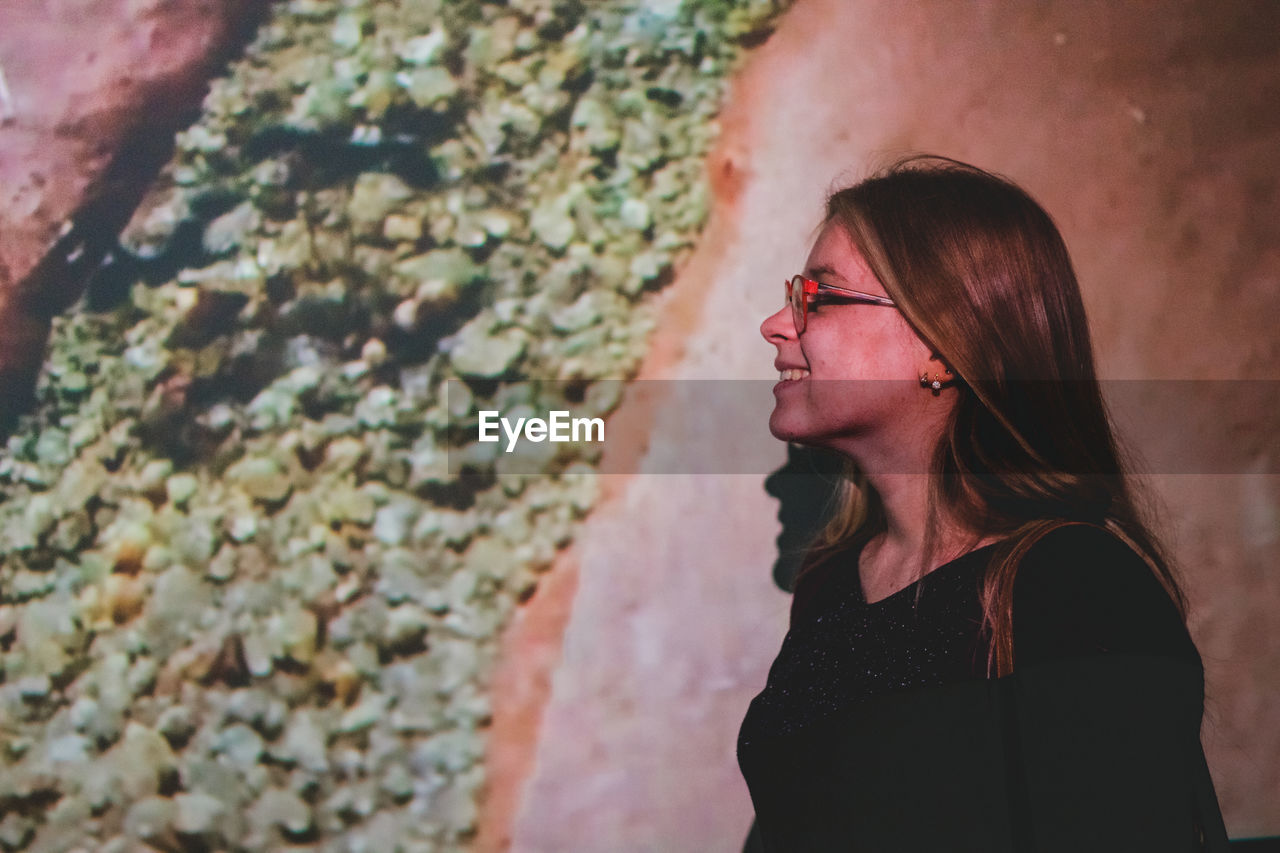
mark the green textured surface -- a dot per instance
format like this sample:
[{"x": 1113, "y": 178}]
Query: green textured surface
[{"x": 243, "y": 603}]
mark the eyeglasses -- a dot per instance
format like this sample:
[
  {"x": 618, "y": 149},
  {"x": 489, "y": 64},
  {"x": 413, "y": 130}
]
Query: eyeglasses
[{"x": 801, "y": 291}]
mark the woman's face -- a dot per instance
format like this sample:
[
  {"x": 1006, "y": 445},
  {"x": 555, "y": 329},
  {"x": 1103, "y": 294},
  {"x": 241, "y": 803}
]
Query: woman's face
[{"x": 863, "y": 361}]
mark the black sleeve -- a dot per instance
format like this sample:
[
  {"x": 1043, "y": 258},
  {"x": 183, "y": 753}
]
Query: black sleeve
[
  {"x": 1105, "y": 756},
  {"x": 1107, "y": 697},
  {"x": 1081, "y": 591}
]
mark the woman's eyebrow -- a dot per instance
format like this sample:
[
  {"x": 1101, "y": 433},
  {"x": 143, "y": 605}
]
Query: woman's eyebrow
[{"x": 823, "y": 271}]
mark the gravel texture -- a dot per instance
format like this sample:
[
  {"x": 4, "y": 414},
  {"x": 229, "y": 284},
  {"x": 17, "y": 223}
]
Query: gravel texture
[{"x": 245, "y": 604}]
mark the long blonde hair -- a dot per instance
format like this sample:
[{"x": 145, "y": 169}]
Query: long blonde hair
[{"x": 981, "y": 273}]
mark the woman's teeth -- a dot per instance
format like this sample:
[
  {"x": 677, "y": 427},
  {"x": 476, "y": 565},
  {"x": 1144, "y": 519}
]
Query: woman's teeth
[{"x": 793, "y": 373}]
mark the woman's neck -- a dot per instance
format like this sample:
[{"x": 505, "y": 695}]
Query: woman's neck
[{"x": 897, "y": 556}]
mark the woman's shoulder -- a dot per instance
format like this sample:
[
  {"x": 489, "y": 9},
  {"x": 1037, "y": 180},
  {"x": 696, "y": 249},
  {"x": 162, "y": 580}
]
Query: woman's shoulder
[
  {"x": 1081, "y": 590},
  {"x": 822, "y": 570}
]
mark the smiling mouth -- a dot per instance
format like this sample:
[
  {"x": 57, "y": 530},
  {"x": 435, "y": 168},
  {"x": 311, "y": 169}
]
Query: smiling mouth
[{"x": 792, "y": 374}]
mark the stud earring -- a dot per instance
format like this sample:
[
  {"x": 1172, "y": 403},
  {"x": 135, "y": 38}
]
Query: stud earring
[{"x": 935, "y": 384}]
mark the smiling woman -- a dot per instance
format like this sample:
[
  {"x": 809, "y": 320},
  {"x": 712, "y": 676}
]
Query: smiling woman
[
  {"x": 937, "y": 341},
  {"x": 856, "y": 349}
]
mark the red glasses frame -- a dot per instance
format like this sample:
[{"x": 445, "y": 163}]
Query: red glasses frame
[{"x": 800, "y": 289}]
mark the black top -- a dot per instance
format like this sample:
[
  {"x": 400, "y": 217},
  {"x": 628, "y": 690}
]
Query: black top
[{"x": 879, "y": 730}]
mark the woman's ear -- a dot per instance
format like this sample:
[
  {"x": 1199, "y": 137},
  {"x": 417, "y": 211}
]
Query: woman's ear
[{"x": 942, "y": 364}]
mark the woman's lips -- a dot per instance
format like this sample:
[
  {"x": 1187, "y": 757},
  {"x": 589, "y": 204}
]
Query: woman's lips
[{"x": 790, "y": 378}]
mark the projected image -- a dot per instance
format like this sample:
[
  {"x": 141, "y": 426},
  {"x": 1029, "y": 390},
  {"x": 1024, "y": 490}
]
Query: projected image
[{"x": 457, "y": 425}]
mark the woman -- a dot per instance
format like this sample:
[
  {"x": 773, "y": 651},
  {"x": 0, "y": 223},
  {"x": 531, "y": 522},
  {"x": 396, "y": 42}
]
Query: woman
[{"x": 987, "y": 648}]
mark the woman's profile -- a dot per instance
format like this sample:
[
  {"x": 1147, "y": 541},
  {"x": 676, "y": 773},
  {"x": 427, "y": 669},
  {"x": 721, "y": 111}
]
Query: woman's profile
[{"x": 988, "y": 647}]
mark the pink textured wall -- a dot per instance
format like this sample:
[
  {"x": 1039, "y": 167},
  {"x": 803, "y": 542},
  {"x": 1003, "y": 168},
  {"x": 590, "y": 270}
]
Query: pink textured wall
[{"x": 1151, "y": 134}]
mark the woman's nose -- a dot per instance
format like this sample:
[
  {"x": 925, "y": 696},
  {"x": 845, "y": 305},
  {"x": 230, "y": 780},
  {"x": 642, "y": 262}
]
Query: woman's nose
[{"x": 779, "y": 326}]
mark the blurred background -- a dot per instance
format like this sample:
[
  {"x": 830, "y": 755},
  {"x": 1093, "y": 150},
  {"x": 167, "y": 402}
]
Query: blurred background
[{"x": 257, "y": 588}]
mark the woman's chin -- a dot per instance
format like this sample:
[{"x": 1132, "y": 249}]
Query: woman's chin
[
  {"x": 784, "y": 431},
  {"x": 807, "y": 434}
]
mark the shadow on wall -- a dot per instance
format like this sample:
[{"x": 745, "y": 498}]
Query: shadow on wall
[{"x": 804, "y": 488}]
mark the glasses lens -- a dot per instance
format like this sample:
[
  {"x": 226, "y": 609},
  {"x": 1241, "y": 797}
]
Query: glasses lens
[{"x": 795, "y": 296}]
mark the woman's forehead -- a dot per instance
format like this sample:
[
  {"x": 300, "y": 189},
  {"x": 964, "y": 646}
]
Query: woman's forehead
[{"x": 834, "y": 255}]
